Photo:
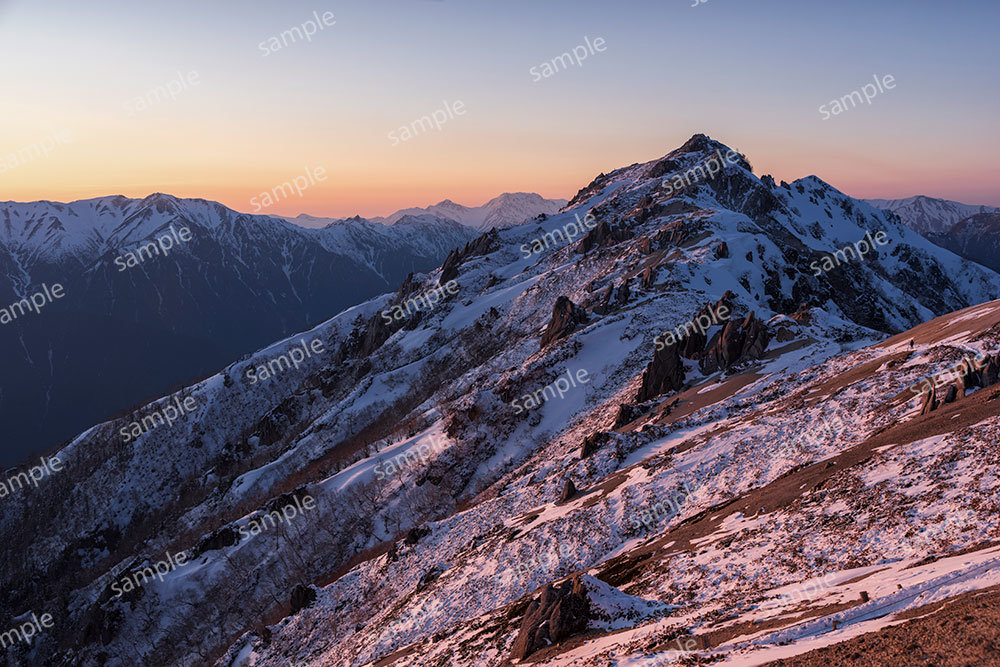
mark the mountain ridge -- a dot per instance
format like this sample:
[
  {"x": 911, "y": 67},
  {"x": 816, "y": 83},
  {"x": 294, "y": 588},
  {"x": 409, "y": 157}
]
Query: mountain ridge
[{"x": 439, "y": 563}]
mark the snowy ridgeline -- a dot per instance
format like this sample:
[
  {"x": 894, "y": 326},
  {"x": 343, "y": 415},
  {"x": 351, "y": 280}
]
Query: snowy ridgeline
[{"x": 407, "y": 435}]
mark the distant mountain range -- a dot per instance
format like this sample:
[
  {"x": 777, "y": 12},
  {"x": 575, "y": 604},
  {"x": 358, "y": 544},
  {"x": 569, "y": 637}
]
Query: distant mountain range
[
  {"x": 970, "y": 231},
  {"x": 682, "y": 491},
  {"x": 127, "y": 331},
  {"x": 506, "y": 210}
]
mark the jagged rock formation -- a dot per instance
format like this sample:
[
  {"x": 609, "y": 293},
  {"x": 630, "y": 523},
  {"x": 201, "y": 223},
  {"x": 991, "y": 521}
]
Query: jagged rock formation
[
  {"x": 736, "y": 343},
  {"x": 665, "y": 373},
  {"x": 603, "y": 235},
  {"x": 302, "y": 597},
  {"x": 560, "y": 612},
  {"x": 565, "y": 317},
  {"x": 482, "y": 245},
  {"x": 567, "y": 493},
  {"x": 593, "y": 442}
]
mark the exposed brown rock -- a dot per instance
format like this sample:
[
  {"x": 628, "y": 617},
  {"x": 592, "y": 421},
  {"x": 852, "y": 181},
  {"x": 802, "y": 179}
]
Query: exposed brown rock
[
  {"x": 626, "y": 413},
  {"x": 565, "y": 318},
  {"x": 592, "y": 443},
  {"x": 647, "y": 277},
  {"x": 560, "y": 612},
  {"x": 623, "y": 293},
  {"x": 802, "y": 315},
  {"x": 645, "y": 246},
  {"x": 603, "y": 235},
  {"x": 482, "y": 245},
  {"x": 568, "y": 491},
  {"x": 722, "y": 251},
  {"x": 735, "y": 343},
  {"x": 990, "y": 371},
  {"x": 951, "y": 394},
  {"x": 929, "y": 403},
  {"x": 664, "y": 373}
]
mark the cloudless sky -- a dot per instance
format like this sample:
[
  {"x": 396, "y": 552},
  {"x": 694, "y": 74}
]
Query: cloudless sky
[{"x": 750, "y": 74}]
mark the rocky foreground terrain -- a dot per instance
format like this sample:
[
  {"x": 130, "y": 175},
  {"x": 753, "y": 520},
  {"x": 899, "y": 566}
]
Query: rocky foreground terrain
[{"x": 812, "y": 479}]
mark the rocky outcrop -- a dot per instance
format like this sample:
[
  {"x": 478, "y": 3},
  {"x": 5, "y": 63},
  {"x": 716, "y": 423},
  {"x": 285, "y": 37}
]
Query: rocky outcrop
[
  {"x": 568, "y": 491},
  {"x": 929, "y": 403},
  {"x": 735, "y": 343},
  {"x": 626, "y": 413},
  {"x": 593, "y": 442},
  {"x": 482, "y": 245},
  {"x": 565, "y": 317},
  {"x": 663, "y": 374},
  {"x": 415, "y": 534},
  {"x": 647, "y": 277},
  {"x": 603, "y": 235},
  {"x": 560, "y": 612},
  {"x": 302, "y": 597},
  {"x": 623, "y": 293},
  {"x": 220, "y": 539}
]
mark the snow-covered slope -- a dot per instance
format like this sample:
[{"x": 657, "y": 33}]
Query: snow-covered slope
[
  {"x": 506, "y": 210},
  {"x": 144, "y": 327},
  {"x": 709, "y": 478},
  {"x": 929, "y": 214}
]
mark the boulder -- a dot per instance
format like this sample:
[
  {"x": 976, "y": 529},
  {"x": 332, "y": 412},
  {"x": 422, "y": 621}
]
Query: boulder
[
  {"x": 568, "y": 491},
  {"x": 929, "y": 402},
  {"x": 626, "y": 413},
  {"x": 735, "y": 343},
  {"x": 602, "y": 235},
  {"x": 951, "y": 393},
  {"x": 565, "y": 317},
  {"x": 560, "y": 612},
  {"x": 623, "y": 293},
  {"x": 220, "y": 539},
  {"x": 415, "y": 534},
  {"x": 592, "y": 443},
  {"x": 647, "y": 277},
  {"x": 990, "y": 371},
  {"x": 663, "y": 374},
  {"x": 302, "y": 597}
]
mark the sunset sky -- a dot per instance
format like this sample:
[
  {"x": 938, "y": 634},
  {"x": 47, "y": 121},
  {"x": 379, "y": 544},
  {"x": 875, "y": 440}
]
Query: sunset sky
[{"x": 751, "y": 75}]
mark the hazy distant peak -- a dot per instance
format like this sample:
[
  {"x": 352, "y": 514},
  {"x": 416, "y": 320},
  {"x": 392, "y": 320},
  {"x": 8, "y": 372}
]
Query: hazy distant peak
[{"x": 930, "y": 214}]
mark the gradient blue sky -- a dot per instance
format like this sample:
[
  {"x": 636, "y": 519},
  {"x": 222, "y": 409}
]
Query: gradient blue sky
[{"x": 751, "y": 74}]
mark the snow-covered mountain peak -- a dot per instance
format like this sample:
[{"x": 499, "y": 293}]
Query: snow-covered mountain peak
[{"x": 453, "y": 472}]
